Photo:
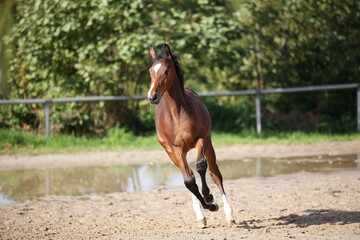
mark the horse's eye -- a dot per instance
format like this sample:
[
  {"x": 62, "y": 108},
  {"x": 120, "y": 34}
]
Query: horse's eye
[{"x": 166, "y": 72}]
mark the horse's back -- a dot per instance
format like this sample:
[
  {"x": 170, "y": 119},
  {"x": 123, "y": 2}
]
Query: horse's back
[
  {"x": 194, "y": 99},
  {"x": 190, "y": 91}
]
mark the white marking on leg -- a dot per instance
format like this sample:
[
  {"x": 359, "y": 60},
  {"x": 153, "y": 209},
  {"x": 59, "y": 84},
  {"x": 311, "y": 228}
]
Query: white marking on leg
[
  {"x": 227, "y": 209},
  {"x": 157, "y": 67},
  {"x": 197, "y": 208}
]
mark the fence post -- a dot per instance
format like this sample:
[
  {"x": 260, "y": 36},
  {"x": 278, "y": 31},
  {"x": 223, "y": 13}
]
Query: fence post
[
  {"x": 47, "y": 118},
  {"x": 358, "y": 106},
  {"x": 258, "y": 112}
]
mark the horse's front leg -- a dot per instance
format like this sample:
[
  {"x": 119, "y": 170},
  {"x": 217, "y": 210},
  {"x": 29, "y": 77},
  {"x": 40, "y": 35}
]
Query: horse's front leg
[
  {"x": 190, "y": 183},
  {"x": 200, "y": 218},
  {"x": 179, "y": 159}
]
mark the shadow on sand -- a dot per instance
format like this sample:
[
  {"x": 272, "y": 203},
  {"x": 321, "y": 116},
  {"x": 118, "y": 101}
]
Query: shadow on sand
[
  {"x": 319, "y": 217},
  {"x": 310, "y": 218}
]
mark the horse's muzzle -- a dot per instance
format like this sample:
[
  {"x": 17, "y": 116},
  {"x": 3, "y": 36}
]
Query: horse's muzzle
[{"x": 154, "y": 99}]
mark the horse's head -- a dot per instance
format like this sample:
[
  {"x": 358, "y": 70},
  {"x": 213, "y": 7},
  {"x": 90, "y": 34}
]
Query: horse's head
[{"x": 162, "y": 73}]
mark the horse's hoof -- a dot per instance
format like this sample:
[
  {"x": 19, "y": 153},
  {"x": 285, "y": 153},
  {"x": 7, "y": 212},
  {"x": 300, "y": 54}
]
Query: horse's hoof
[
  {"x": 231, "y": 222},
  {"x": 209, "y": 199},
  {"x": 214, "y": 207},
  {"x": 201, "y": 223}
]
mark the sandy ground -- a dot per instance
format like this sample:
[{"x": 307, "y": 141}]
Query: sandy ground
[
  {"x": 300, "y": 206},
  {"x": 295, "y": 206}
]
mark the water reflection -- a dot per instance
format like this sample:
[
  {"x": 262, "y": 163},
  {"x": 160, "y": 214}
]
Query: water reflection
[
  {"x": 32, "y": 184},
  {"x": 269, "y": 167}
]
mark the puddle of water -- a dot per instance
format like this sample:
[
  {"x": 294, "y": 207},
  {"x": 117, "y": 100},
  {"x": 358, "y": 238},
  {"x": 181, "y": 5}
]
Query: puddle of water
[{"x": 28, "y": 185}]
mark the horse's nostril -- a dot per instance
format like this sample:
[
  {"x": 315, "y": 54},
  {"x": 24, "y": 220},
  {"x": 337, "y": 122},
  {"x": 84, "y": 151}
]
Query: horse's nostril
[{"x": 154, "y": 97}]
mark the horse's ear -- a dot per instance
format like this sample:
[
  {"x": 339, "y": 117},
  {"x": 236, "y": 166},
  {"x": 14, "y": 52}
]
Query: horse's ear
[
  {"x": 167, "y": 50},
  {"x": 153, "y": 52}
]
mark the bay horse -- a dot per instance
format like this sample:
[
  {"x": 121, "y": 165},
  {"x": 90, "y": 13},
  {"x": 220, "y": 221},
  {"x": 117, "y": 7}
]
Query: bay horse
[{"x": 183, "y": 122}]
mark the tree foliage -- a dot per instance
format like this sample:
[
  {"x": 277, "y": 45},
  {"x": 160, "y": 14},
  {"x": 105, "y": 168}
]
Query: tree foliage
[
  {"x": 64, "y": 48},
  {"x": 100, "y": 47},
  {"x": 305, "y": 43}
]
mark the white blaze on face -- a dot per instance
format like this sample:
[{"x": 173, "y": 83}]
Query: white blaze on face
[
  {"x": 157, "y": 67},
  {"x": 152, "y": 86}
]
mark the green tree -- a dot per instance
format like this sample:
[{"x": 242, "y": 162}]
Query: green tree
[
  {"x": 99, "y": 47},
  {"x": 6, "y": 19},
  {"x": 302, "y": 43}
]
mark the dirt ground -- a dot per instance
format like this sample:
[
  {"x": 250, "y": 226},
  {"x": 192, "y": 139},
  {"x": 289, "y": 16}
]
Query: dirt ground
[{"x": 294, "y": 206}]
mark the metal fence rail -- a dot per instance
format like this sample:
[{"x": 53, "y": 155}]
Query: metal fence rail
[{"x": 256, "y": 93}]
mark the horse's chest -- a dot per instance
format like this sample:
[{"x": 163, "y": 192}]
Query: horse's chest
[{"x": 179, "y": 132}]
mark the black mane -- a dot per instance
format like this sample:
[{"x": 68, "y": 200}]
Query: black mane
[{"x": 177, "y": 62}]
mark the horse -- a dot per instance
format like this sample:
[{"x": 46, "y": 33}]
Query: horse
[{"x": 182, "y": 123}]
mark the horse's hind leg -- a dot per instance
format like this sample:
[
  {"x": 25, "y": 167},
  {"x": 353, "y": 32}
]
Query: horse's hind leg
[
  {"x": 201, "y": 167},
  {"x": 217, "y": 177}
]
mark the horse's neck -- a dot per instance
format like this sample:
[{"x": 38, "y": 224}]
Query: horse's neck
[{"x": 175, "y": 100}]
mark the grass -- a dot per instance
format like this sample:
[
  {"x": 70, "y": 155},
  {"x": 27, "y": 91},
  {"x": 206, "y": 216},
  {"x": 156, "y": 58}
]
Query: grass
[
  {"x": 283, "y": 138},
  {"x": 15, "y": 141}
]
